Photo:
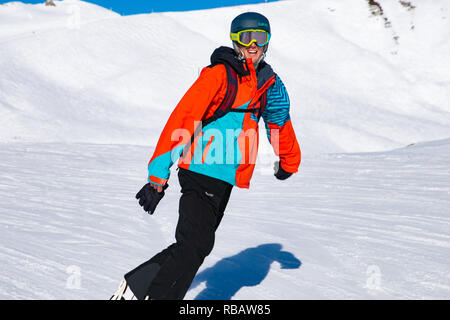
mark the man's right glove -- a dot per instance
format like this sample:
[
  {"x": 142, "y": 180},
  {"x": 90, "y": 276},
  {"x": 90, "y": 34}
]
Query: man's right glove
[
  {"x": 280, "y": 174},
  {"x": 149, "y": 198}
]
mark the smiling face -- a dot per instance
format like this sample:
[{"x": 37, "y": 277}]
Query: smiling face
[{"x": 253, "y": 52}]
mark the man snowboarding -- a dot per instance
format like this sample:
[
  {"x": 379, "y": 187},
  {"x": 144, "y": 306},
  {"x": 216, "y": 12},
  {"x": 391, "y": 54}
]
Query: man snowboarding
[{"x": 213, "y": 133}]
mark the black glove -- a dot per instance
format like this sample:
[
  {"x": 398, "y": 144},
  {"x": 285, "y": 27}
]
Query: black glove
[
  {"x": 149, "y": 198},
  {"x": 280, "y": 174}
]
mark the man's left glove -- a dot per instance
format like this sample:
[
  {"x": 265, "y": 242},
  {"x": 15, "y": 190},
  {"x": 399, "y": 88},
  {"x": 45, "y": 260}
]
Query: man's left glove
[
  {"x": 280, "y": 174},
  {"x": 149, "y": 198}
]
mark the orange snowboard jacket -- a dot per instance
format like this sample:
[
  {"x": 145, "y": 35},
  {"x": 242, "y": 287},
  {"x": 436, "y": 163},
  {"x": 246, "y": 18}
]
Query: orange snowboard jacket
[{"x": 226, "y": 148}]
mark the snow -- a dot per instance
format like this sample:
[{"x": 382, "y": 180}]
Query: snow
[{"x": 85, "y": 92}]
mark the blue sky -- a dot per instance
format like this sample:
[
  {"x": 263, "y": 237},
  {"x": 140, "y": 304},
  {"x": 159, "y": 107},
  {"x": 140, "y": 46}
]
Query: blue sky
[{"x": 133, "y": 7}]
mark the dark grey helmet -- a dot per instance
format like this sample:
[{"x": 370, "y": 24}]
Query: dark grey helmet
[{"x": 250, "y": 20}]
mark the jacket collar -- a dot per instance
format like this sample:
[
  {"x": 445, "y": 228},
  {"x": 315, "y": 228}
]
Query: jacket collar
[
  {"x": 227, "y": 55},
  {"x": 263, "y": 73}
]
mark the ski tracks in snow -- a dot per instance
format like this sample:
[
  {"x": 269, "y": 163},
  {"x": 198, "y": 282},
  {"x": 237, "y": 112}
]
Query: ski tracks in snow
[{"x": 368, "y": 225}]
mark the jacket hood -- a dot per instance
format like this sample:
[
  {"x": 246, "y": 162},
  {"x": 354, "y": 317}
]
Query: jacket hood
[{"x": 226, "y": 55}]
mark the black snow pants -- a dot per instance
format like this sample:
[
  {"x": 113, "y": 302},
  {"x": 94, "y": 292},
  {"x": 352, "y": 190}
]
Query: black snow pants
[{"x": 169, "y": 274}]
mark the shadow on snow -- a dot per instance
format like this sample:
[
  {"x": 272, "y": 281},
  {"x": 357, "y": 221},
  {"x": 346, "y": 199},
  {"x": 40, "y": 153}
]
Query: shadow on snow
[{"x": 246, "y": 269}]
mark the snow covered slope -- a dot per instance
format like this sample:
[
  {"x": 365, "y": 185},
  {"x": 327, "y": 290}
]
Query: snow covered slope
[
  {"x": 85, "y": 92},
  {"x": 349, "y": 226}
]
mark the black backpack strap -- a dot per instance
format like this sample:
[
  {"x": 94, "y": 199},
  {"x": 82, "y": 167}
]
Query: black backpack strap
[
  {"x": 232, "y": 87},
  {"x": 224, "y": 107},
  {"x": 228, "y": 99},
  {"x": 257, "y": 111},
  {"x": 230, "y": 96},
  {"x": 262, "y": 104}
]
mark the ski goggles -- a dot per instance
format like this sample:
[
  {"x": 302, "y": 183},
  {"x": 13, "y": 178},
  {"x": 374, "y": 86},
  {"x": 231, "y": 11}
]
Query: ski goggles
[{"x": 247, "y": 37}]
